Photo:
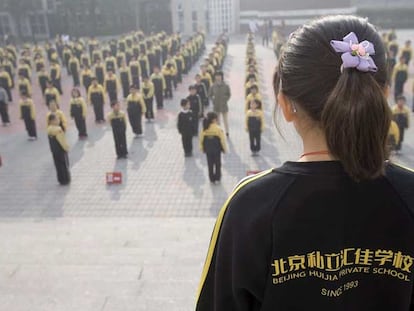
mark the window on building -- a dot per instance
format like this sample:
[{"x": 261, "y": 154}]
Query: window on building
[
  {"x": 181, "y": 21},
  {"x": 5, "y": 25},
  {"x": 37, "y": 24},
  {"x": 195, "y": 21},
  {"x": 51, "y": 5}
]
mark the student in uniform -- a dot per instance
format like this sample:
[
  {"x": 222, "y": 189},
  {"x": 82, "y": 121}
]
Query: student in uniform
[
  {"x": 117, "y": 120},
  {"x": 400, "y": 76},
  {"x": 4, "y": 107},
  {"x": 196, "y": 107},
  {"x": 393, "y": 136},
  {"x": 111, "y": 86},
  {"x": 169, "y": 73},
  {"x": 51, "y": 94},
  {"x": 407, "y": 52},
  {"x": 110, "y": 63},
  {"x": 28, "y": 115},
  {"x": 285, "y": 236},
  {"x": 74, "y": 68},
  {"x": 157, "y": 78},
  {"x": 86, "y": 76},
  {"x": 206, "y": 78},
  {"x": 42, "y": 78},
  {"x": 85, "y": 60},
  {"x": 185, "y": 125},
  {"x": 24, "y": 70},
  {"x": 254, "y": 95},
  {"x": 96, "y": 98},
  {"x": 125, "y": 78},
  {"x": 179, "y": 61},
  {"x": 144, "y": 64},
  {"x": 78, "y": 112},
  {"x": 135, "y": 71},
  {"x": 24, "y": 86},
  {"x": 213, "y": 143},
  {"x": 54, "y": 109},
  {"x": 401, "y": 116},
  {"x": 201, "y": 90},
  {"x": 250, "y": 84},
  {"x": 99, "y": 71},
  {"x": 6, "y": 82},
  {"x": 136, "y": 109},
  {"x": 148, "y": 94},
  {"x": 255, "y": 125},
  {"x": 59, "y": 148},
  {"x": 55, "y": 76}
]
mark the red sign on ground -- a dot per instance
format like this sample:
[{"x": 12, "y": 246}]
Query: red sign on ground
[{"x": 114, "y": 178}]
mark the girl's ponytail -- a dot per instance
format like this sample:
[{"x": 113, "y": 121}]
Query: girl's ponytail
[{"x": 356, "y": 120}]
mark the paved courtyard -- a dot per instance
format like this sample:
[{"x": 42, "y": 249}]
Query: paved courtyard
[{"x": 136, "y": 246}]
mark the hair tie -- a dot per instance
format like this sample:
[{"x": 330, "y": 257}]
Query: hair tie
[{"x": 355, "y": 54}]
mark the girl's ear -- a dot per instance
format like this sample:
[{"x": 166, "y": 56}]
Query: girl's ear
[{"x": 287, "y": 108}]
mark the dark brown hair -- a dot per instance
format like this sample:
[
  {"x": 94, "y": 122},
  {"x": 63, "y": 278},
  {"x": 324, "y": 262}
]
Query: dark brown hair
[{"x": 348, "y": 105}]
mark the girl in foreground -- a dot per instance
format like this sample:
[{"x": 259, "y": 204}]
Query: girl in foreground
[{"x": 333, "y": 230}]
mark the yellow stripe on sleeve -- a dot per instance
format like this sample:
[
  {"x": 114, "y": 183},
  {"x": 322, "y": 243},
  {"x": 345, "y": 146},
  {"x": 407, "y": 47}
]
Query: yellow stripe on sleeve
[{"x": 217, "y": 227}]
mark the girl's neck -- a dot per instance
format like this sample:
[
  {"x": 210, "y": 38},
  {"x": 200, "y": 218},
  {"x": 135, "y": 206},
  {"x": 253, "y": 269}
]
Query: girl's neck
[{"x": 315, "y": 147}]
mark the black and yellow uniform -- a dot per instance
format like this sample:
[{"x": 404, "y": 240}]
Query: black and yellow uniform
[
  {"x": 144, "y": 65},
  {"x": 197, "y": 110},
  {"x": 86, "y": 76},
  {"x": 28, "y": 115},
  {"x": 248, "y": 87},
  {"x": 93, "y": 47},
  {"x": 59, "y": 148},
  {"x": 164, "y": 50},
  {"x": 118, "y": 124},
  {"x": 278, "y": 235},
  {"x": 135, "y": 71},
  {"x": 185, "y": 125},
  {"x": 24, "y": 70},
  {"x": 42, "y": 78},
  {"x": 111, "y": 86},
  {"x": 96, "y": 55},
  {"x": 67, "y": 53},
  {"x": 157, "y": 50},
  {"x": 251, "y": 97},
  {"x": 96, "y": 97},
  {"x": 148, "y": 95},
  {"x": 8, "y": 66},
  {"x": 179, "y": 61},
  {"x": 170, "y": 63},
  {"x": 159, "y": 87},
  {"x": 24, "y": 86},
  {"x": 401, "y": 116},
  {"x": 202, "y": 92},
  {"x": 100, "y": 73},
  {"x": 78, "y": 113},
  {"x": 255, "y": 126},
  {"x": 110, "y": 63},
  {"x": 55, "y": 77},
  {"x": 407, "y": 53},
  {"x": 39, "y": 64},
  {"x": 400, "y": 76},
  {"x": 6, "y": 83},
  {"x": 4, "y": 107},
  {"x": 125, "y": 79},
  {"x": 213, "y": 143},
  {"x": 206, "y": 80},
  {"x": 74, "y": 68},
  {"x": 136, "y": 109},
  {"x": 63, "y": 122},
  {"x": 393, "y": 47},
  {"x": 169, "y": 74},
  {"x": 393, "y": 136},
  {"x": 52, "y": 94},
  {"x": 85, "y": 60},
  {"x": 120, "y": 59}
]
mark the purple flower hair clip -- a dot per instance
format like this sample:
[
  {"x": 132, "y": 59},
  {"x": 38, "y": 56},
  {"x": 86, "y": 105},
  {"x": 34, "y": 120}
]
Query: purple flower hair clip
[{"x": 355, "y": 54}]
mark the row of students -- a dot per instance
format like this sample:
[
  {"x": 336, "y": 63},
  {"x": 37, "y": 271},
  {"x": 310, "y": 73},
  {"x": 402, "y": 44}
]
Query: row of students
[
  {"x": 254, "y": 120},
  {"x": 212, "y": 139}
]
